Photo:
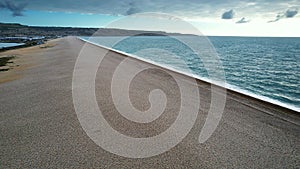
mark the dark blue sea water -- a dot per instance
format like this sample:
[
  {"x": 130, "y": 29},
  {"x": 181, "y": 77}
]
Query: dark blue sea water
[{"x": 266, "y": 68}]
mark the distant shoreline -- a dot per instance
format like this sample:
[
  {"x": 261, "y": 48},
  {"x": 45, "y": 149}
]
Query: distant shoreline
[
  {"x": 26, "y": 43},
  {"x": 62, "y": 31}
]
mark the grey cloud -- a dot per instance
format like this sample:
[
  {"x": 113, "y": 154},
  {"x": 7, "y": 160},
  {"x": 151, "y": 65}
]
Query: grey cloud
[
  {"x": 132, "y": 9},
  {"x": 228, "y": 14},
  {"x": 2, "y": 5},
  {"x": 291, "y": 13},
  {"x": 278, "y": 17},
  {"x": 180, "y": 8},
  {"x": 243, "y": 20},
  {"x": 17, "y": 10}
]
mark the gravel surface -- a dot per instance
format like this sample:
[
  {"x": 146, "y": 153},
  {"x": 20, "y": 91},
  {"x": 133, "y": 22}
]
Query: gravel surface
[{"x": 40, "y": 128}]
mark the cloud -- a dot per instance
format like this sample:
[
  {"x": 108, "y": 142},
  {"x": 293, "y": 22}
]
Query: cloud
[
  {"x": 132, "y": 9},
  {"x": 278, "y": 17},
  {"x": 17, "y": 10},
  {"x": 186, "y": 9},
  {"x": 243, "y": 20},
  {"x": 2, "y": 5},
  {"x": 290, "y": 13},
  {"x": 228, "y": 14}
]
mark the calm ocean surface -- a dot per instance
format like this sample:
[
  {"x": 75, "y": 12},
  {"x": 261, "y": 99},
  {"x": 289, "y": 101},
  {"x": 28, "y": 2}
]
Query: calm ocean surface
[
  {"x": 266, "y": 68},
  {"x": 5, "y": 45}
]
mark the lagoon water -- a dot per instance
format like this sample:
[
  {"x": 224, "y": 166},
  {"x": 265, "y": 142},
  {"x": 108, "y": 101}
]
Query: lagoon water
[
  {"x": 5, "y": 45},
  {"x": 266, "y": 68}
]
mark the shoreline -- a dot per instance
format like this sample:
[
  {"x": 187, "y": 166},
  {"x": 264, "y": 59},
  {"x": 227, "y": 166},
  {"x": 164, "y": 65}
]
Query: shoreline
[
  {"x": 24, "y": 58},
  {"x": 240, "y": 91},
  {"x": 41, "y": 128}
]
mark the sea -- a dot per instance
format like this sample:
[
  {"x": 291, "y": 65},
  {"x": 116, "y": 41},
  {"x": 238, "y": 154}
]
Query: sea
[
  {"x": 5, "y": 45},
  {"x": 267, "y": 68}
]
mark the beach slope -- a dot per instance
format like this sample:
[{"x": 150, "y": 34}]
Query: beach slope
[{"x": 40, "y": 128}]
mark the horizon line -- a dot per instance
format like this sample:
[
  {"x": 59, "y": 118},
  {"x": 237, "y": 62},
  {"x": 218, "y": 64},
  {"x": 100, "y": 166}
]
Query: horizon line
[{"x": 92, "y": 27}]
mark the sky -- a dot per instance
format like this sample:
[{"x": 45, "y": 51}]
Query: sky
[{"x": 211, "y": 17}]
